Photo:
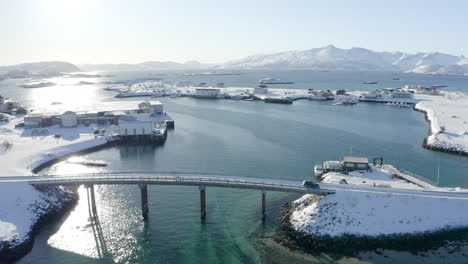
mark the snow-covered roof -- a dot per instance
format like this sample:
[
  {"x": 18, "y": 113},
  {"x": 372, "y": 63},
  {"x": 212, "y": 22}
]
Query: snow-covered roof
[{"x": 356, "y": 159}]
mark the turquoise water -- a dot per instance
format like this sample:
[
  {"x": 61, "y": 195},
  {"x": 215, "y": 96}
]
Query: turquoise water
[{"x": 238, "y": 138}]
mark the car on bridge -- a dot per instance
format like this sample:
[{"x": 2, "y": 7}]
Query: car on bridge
[{"x": 310, "y": 184}]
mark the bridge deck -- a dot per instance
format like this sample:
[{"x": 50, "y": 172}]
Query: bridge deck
[
  {"x": 224, "y": 181},
  {"x": 172, "y": 179}
]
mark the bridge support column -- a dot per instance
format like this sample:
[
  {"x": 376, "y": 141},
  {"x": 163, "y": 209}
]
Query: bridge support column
[
  {"x": 202, "y": 202},
  {"x": 144, "y": 201},
  {"x": 90, "y": 188},
  {"x": 263, "y": 205}
]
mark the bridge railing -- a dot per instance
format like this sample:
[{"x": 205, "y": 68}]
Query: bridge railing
[{"x": 196, "y": 180}]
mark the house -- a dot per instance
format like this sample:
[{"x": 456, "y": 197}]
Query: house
[
  {"x": 142, "y": 127},
  {"x": 131, "y": 126},
  {"x": 33, "y": 119},
  {"x": 69, "y": 119},
  {"x": 355, "y": 163},
  {"x": 7, "y": 105},
  {"x": 341, "y": 92},
  {"x": 207, "y": 92},
  {"x": 154, "y": 107}
]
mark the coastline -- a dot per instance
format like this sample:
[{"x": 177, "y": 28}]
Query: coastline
[
  {"x": 349, "y": 244},
  {"x": 10, "y": 254},
  {"x": 427, "y": 145}
]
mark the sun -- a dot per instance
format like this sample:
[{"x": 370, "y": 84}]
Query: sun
[{"x": 65, "y": 8}]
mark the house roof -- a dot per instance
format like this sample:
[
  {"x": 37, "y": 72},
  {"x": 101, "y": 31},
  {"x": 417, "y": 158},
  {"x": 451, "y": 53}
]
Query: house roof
[{"x": 356, "y": 159}]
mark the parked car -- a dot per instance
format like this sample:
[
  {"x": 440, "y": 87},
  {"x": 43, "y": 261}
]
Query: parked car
[{"x": 310, "y": 184}]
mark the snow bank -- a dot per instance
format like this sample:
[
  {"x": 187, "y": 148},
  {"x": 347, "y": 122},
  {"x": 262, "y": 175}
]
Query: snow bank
[
  {"x": 21, "y": 206},
  {"x": 448, "y": 115},
  {"x": 371, "y": 214},
  {"x": 28, "y": 152}
]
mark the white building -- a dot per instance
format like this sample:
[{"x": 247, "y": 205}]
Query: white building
[
  {"x": 207, "y": 92},
  {"x": 139, "y": 125},
  {"x": 69, "y": 119},
  {"x": 154, "y": 107},
  {"x": 6, "y": 105},
  {"x": 402, "y": 94}
]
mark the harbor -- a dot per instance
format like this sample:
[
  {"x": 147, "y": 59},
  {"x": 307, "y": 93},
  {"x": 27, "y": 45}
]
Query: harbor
[{"x": 259, "y": 131}]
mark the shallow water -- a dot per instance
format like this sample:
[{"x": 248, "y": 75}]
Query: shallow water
[{"x": 237, "y": 138}]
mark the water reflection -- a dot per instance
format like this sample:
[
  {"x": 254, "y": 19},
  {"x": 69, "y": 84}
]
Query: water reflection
[
  {"x": 95, "y": 224},
  {"x": 110, "y": 234}
]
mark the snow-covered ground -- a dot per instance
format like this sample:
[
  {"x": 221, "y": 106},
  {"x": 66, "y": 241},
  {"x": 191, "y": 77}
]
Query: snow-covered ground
[
  {"x": 27, "y": 151},
  {"x": 374, "y": 214},
  {"x": 21, "y": 204},
  {"x": 24, "y": 150},
  {"x": 448, "y": 115}
]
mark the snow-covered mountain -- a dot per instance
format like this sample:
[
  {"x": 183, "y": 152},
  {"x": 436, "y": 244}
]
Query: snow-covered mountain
[
  {"x": 37, "y": 67},
  {"x": 43, "y": 68},
  {"x": 360, "y": 59}
]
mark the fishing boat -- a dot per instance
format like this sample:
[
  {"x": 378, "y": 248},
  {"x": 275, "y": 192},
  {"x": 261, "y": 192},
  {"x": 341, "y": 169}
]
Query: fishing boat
[
  {"x": 274, "y": 81},
  {"x": 345, "y": 100},
  {"x": 279, "y": 100}
]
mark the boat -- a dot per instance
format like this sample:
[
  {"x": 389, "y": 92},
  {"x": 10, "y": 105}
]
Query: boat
[
  {"x": 274, "y": 81},
  {"x": 97, "y": 163},
  {"x": 279, "y": 100},
  {"x": 438, "y": 86},
  {"x": 396, "y": 79},
  {"x": 220, "y": 85},
  {"x": 370, "y": 83},
  {"x": 346, "y": 100}
]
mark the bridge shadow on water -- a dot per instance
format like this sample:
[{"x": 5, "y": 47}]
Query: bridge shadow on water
[{"x": 101, "y": 247}]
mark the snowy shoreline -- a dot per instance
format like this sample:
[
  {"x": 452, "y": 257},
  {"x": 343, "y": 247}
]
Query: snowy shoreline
[
  {"x": 448, "y": 119},
  {"x": 376, "y": 218}
]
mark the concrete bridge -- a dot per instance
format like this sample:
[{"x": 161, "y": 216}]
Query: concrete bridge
[{"x": 142, "y": 179}]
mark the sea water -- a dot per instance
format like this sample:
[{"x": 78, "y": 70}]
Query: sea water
[{"x": 242, "y": 138}]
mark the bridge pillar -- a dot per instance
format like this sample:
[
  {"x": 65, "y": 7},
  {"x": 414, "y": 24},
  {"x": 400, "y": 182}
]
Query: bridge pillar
[
  {"x": 263, "y": 205},
  {"x": 202, "y": 202},
  {"x": 144, "y": 201},
  {"x": 90, "y": 188}
]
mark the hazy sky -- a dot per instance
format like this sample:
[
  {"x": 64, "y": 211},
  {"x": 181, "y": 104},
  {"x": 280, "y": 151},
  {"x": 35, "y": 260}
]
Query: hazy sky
[{"x": 124, "y": 31}]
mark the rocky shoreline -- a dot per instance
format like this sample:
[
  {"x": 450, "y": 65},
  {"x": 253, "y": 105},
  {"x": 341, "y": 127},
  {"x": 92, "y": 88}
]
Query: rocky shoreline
[
  {"x": 9, "y": 252},
  {"x": 350, "y": 245}
]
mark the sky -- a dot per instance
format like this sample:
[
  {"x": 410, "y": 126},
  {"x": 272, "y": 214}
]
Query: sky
[{"x": 214, "y": 31}]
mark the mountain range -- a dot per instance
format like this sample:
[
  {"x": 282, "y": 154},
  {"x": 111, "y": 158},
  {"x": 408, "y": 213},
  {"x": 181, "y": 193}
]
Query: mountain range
[
  {"x": 355, "y": 59},
  {"x": 328, "y": 58}
]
